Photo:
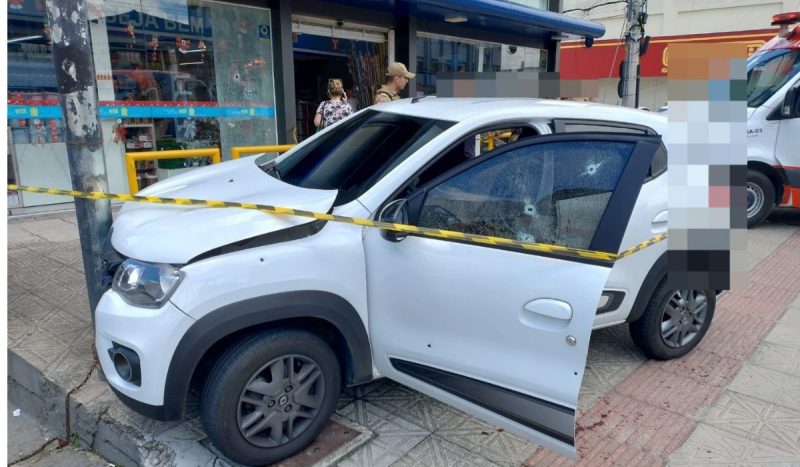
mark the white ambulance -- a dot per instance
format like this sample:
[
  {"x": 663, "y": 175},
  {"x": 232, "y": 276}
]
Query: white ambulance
[{"x": 773, "y": 121}]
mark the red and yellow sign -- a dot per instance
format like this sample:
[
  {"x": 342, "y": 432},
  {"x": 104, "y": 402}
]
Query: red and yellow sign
[{"x": 603, "y": 58}]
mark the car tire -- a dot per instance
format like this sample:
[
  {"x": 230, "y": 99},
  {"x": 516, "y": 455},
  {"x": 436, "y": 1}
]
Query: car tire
[
  {"x": 668, "y": 314},
  {"x": 270, "y": 395},
  {"x": 760, "y": 197}
]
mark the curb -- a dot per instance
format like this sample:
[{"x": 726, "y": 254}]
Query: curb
[{"x": 99, "y": 422}]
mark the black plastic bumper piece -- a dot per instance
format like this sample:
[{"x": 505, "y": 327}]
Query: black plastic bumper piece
[{"x": 158, "y": 412}]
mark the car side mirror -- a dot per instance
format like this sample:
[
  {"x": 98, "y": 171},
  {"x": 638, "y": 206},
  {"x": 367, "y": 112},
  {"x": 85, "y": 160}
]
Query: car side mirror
[
  {"x": 395, "y": 212},
  {"x": 791, "y": 103}
]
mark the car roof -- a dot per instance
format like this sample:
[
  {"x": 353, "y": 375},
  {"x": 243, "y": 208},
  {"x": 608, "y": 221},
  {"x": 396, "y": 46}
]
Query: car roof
[{"x": 460, "y": 109}]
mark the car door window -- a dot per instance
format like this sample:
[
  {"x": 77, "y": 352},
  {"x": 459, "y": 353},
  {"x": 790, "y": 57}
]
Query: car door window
[
  {"x": 554, "y": 193},
  {"x": 476, "y": 144}
]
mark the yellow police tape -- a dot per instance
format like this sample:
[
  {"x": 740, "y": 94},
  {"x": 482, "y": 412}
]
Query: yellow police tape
[{"x": 602, "y": 256}]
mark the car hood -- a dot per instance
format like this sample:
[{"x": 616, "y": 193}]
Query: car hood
[{"x": 175, "y": 234}]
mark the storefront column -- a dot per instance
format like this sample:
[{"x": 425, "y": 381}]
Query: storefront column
[
  {"x": 283, "y": 69},
  {"x": 553, "y": 47},
  {"x": 405, "y": 49},
  {"x": 114, "y": 152}
]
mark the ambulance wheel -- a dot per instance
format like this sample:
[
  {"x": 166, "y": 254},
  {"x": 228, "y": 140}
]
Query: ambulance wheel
[{"x": 760, "y": 197}]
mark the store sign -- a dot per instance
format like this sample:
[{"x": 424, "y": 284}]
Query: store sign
[
  {"x": 195, "y": 25},
  {"x": 602, "y": 60},
  {"x": 173, "y": 10}
]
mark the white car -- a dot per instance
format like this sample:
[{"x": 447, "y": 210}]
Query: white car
[{"x": 270, "y": 315}]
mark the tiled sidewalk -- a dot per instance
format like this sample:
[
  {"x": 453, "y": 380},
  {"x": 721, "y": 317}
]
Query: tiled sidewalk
[
  {"x": 734, "y": 400},
  {"x": 732, "y": 412}
]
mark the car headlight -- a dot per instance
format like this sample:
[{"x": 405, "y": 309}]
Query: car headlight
[{"x": 146, "y": 284}]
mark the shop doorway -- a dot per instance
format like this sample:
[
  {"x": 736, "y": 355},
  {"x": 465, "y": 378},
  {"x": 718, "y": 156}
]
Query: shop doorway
[{"x": 325, "y": 50}]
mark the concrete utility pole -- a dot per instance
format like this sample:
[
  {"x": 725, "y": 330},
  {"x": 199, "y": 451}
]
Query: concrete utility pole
[
  {"x": 74, "y": 70},
  {"x": 634, "y": 34}
]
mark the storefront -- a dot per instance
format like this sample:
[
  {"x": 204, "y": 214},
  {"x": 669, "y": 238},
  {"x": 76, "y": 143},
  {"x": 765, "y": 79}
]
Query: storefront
[{"x": 189, "y": 74}]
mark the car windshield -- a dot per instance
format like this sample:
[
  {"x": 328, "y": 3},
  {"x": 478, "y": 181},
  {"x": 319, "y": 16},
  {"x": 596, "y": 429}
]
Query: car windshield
[
  {"x": 768, "y": 71},
  {"x": 360, "y": 151}
]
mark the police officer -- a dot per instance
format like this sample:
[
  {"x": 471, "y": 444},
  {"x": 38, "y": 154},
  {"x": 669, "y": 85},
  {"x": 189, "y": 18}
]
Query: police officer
[{"x": 397, "y": 77}]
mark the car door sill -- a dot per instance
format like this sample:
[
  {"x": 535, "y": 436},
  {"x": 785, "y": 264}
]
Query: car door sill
[{"x": 548, "y": 418}]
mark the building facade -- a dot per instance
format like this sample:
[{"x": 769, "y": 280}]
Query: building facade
[
  {"x": 184, "y": 74},
  {"x": 740, "y": 21}
]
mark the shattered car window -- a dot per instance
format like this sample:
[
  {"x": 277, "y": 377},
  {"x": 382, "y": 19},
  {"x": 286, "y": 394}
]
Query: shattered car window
[{"x": 554, "y": 193}]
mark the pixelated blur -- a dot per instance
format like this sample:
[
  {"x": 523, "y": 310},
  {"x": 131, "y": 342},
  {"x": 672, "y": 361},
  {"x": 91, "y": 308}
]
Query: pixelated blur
[
  {"x": 518, "y": 84},
  {"x": 707, "y": 144}
]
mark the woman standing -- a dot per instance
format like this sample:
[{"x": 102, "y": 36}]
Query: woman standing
[{"x": 335, "y": 108}]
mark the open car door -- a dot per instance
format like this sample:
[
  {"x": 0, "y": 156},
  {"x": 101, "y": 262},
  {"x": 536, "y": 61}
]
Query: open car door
[{"x": 496, "y": 331}]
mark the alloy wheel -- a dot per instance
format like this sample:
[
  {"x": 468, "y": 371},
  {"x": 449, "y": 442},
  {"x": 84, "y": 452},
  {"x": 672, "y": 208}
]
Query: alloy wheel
[
  {"x": 683, "y": 317},
  {"x": 280, "y": 400}
]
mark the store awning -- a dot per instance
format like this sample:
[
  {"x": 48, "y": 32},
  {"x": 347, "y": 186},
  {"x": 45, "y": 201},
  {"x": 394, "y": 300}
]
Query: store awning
[{"x": 495, "y": 15}]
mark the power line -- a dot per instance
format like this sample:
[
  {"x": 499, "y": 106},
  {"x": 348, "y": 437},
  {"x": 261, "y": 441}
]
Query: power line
[{"x": 595, "y": 6}]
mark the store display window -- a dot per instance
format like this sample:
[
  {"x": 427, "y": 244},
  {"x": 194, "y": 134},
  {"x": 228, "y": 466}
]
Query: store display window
[
  {"x": 444, "y": 54},
  {"x": 190, "y": 74}
]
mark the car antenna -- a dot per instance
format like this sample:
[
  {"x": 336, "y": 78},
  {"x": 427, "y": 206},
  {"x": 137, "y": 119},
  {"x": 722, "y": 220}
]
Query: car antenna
[{"x": 419, "y": 98}]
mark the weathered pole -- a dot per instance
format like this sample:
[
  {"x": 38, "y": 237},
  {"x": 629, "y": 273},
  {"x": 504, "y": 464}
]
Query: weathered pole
[
  {"x": 630, "y": 85},
  {"x": 74, "y": 70}
]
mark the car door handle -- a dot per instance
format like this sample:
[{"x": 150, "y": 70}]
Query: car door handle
[
  {"x": 550, "y": 308},
  {"x": 660, "y": 222}
]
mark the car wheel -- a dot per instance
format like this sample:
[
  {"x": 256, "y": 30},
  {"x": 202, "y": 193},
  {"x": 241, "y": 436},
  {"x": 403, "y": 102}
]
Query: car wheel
[
  {"x": 674, "y": 321},
  {"x": 760, "y": 197},
  {"x": 270, "y": 395}
]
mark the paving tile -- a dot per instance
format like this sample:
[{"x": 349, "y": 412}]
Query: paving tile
[
  {"x": 777, "y": 357},
  {"x": 704, "y": 367},
  {"x": 614, "y": 344},
  {"x": 766, "y": 292},
  {"x": 364, "y": 389},
  {"x": 756, "y": 320},
  {"x": 768, "y": 385},
  {"x": 711, "y": 446},
  {"x": 635, "y": 423},
  {"x": 784, "y": 334},
  {"x": 53, "y": 230},
  {"x": 346, "y": 397},
  {"x": 495, "y": 444},
  {"x": 756, "y": 420},
  {"x": 394, "y": 435},
  {"x": 434, "y": 451},
  {"x": 598, "y": 379},
  {"x": 791, "y": 316},
  {"x": 38, "y": 348},
  {"x": 600, "y": 452},
  {"x": 413, "y": 406},
  {"x": 614, "y": 453},
  {"x": 654, "y": 386},
  {"x": 736, "y": 345}
]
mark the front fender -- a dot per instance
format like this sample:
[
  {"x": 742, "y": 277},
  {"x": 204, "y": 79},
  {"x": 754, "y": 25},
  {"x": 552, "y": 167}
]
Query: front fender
[{"x": 235, "y": 317}]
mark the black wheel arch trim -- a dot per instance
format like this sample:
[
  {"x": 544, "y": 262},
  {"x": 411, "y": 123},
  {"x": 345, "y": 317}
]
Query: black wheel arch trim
[
  {"x": 777, "y": 175},
  {"x": 235, "y": 317},
  {"x": 657, "y": 272}
]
